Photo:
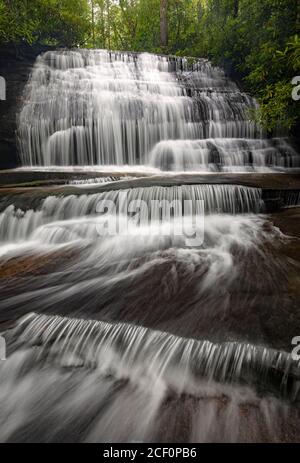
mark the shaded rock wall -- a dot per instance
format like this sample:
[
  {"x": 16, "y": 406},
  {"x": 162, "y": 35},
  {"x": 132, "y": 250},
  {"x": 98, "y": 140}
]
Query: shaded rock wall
[{"x": 15, "y": 66}]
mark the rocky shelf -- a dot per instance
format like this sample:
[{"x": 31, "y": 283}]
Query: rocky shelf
[{"x": 38, "y": 178}]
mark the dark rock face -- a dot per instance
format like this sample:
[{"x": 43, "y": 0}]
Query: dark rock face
[{"x": 15, "y": 66}]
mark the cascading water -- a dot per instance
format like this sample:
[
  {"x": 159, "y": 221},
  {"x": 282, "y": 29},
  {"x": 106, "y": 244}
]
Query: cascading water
[
  {"x": 143, "y": 334},
  {"x": 16, "y": 224},
  {"x": 164, "y": 336},
  {"x": 103, "y": 108},
  {"x": 223, "y": 154}
]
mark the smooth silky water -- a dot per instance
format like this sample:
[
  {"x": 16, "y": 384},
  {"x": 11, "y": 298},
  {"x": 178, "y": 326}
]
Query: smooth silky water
[
  {"x": 139, "y": 335},
  {"x": 97, "y": 108}
]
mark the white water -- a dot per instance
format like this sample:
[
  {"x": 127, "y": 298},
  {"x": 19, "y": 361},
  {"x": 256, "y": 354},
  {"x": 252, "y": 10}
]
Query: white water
[
  {"x": 75, "y": 378},
  {"x": 17, "y": 224},
  {"x": 86, "y": 342},
  {"x": 87, "y": 378},
  {"x": 139, "y": 335},
  {"x": 223, "y": 154},
  {"x": 56, "y": 403},
  {"x": 98, "y": 108}
]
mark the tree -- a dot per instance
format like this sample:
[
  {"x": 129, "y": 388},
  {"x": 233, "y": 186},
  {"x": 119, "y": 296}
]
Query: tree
[
  {"x": 164, "y": 23},
  {"x": 256, "y": 41},
  {"x": 93, "y": 21},
  {"x": 199, "y": 10},
  {"x": 53, "y": 22},
  {"x": 235, "y": 8}
]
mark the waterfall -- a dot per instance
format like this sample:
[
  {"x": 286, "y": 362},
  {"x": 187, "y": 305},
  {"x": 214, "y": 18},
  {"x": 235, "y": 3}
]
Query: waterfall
[
  {"x": 145, "y": 273},
  {"x": 86, "y": 342},
  {"x": 92, "y": 181},
  {"x": 146, "y": 305},
  {"x": 17, "y": 224},
  {"x": 101, "y": 108},
  {"x": 224, "y": 154},
  {"x": 108, "y": 371}
]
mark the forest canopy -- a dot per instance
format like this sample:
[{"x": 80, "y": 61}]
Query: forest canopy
[{"x": 257, "y": 42}]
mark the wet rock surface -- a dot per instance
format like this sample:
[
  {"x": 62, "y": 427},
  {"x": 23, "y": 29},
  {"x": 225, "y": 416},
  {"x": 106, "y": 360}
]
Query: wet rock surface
[
  {"x": 141, "y": 336},
  {"x": 16, "y": 64}
]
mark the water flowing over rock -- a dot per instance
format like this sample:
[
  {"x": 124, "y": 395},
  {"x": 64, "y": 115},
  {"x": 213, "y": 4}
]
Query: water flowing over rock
[
  {"x": 139, "y": 304},
  {"x": 16, "y": 224},
  {"x": 87, "y": 341},
  {"x": 108, "y": 108},
  {"x": 116, "y": 369}
]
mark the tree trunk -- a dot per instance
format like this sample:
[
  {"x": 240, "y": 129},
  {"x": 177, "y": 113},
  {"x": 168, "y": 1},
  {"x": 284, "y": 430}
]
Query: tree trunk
[
  {"x": 108, "y": 23},
  {"x": 235, "y": 8},
  {"x": 164, "y": 23},
  {"x": 199, "y": 11},
  {"x": 93, "y": 23},
  {"x": 102, "y": 19}
]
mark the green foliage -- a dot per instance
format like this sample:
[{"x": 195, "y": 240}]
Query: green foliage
[
  {"x": 14, "y": 23},
  {"x": 135, "y": 25},
  {"x": 261, "y": 45},
  {"x": 256, "y": 41},
  {"x": 52, "y": 22},
  {"x": 131, "y": 25},
  {"x": 277, "y": 110}
]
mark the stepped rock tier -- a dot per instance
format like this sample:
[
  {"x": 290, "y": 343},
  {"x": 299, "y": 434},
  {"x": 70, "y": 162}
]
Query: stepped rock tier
[
  {"x": 107, "y": 108},
  {"x": 149, "y": 258}
]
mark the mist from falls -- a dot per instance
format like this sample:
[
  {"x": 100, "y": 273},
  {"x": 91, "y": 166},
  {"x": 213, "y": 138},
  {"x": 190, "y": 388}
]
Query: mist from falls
[{"x": 98, "y": 108}]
